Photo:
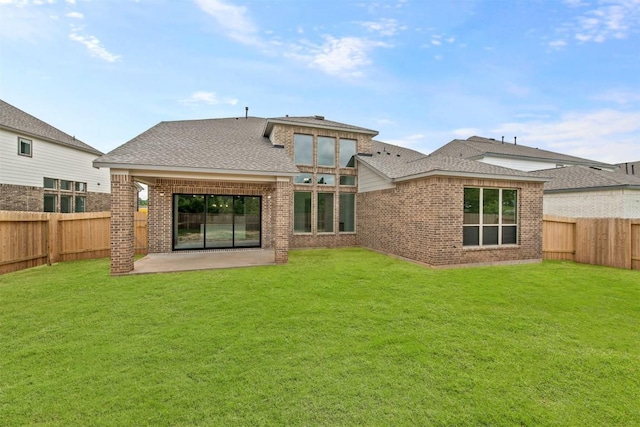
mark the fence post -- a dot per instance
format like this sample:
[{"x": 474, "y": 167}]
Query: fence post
[{"x": 54, "y": 241}]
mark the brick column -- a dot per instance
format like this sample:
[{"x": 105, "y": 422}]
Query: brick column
[
  {"x": 282, "y": 213},
  {"x": 122, "y": 223}
]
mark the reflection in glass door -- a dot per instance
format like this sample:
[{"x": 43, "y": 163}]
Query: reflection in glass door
[
  {"x": 219, "y": 231},
  {"x": 213, "y": 221}
]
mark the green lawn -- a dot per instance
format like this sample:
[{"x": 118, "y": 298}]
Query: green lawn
[{"x": 336, "y": 337}]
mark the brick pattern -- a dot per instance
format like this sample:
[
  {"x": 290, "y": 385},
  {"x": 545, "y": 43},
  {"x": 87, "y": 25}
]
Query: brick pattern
[
  {"x": 161, "y": 205},
  {"x": 594, "y": 204},
  {"x": 21, "y": 198},
  {"x": 31, "y": 199},
  {"x": 282, "y": 222},
  {"x": 422, "y": 220},
  {"x": 123, "y": 206}
]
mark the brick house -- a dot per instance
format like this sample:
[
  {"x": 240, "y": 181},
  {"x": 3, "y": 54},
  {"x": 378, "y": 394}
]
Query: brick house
[
  {"x": 299, "y": 182},
  {"x": 43, "y": 169}
]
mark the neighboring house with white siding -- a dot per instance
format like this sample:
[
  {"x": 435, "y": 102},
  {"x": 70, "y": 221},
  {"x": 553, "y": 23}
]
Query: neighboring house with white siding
[
  {"x": 577, "y": 187},
  {"x": 43, "y": 169}
]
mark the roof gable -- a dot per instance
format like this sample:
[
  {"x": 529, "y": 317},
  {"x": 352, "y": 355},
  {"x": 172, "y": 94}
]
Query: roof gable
[
  {"x": 18, "y": 121},
  {"x": 315, "y": 122}
]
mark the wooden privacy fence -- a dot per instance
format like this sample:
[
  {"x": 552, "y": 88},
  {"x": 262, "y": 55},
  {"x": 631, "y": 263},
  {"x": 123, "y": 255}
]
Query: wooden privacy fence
[
  {"x": 612, "y": 242},
  {"x": 29, "y": 239}
]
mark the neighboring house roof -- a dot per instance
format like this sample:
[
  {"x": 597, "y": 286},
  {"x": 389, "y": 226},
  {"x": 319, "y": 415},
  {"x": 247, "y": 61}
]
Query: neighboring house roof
[
  {"x": 629, "y": 168},
  {"x": 16, "y": 120},
  {"x": 400, "y": 164},
  {"x": 231, "y": 145},
  {"x": 581, "y": 178},
  {"x": 476, "y": 147},
  {"x": 316, "y": 122}
]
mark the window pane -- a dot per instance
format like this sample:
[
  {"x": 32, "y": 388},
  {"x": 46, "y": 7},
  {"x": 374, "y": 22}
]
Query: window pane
[
  {"x": 65, "y": 204},
  {"x": 326, "y": 151},
  {"x": 326, "y": 179},
  {"x": 471, "y": 236},
  {"x": 65, "y": 185},
  {"x": 347, "y": 212},
  {"x": 490, "y": 207},
  {"x": 51, "y": 183},
  {"x": 347, "y": 151},
  {"x": 50, "y": 203},
  {"x": 490, "y": 235},
  {"x": 509, "y": 206},
  {"x": 24, "y": 147},
  {"x": 80, "y": 204},
  {"x": 472, "y": 206},
  {"x": 509, "y": 235},
  {"x": 303, "y": 178},
  {"x": 189, "y": 222},
  {"x": 347, "y": 180},
  {"x": 303, "y": 149},
  {"x": 302, "y": 212},
  {"x": 246, "y": 225},
  {"x": 218, "y": 232},
  {"x": 325, "y": 212},
  {"x": 81, "y": 186}
]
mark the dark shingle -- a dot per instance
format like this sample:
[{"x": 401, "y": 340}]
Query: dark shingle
[
  {"x": 14, "y": 119},
  {"x": 232, "y": 144}
]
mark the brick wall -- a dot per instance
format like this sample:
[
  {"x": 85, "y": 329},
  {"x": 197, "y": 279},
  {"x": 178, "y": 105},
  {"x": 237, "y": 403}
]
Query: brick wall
[
  {"x": 161, "y": 205},
  {"x": 123, "y": 192},
  {"x": 594, "y": 204},
  {"x": 31, "y": 199},
  {"x": 422, "y": 220},
  {"x": 21, "y": 198}
]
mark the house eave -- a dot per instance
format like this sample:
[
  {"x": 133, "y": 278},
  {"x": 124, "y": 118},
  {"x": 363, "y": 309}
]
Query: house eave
[
  {"x": 588, "y": 189},
  {"x": 271, "y": 122},
  {"x": 180, "y": 169},
  {"x": 470, "y": 175},
  {"x": 53, "y": 141},
  {"x": 543, "y": 159}
]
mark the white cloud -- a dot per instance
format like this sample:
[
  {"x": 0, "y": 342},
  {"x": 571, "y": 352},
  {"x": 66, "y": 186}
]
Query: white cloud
[
  {"x": 465, "y": 133},
  {"x": 232, "y": 20},
  {"x": 621, "y": 97},
  {"x": 605, "y": 135},
  {"x": 344, "y": 56},
  {"x": 210, "y": 98},
  {"x": 93, "y": 45},
  {"x": 76, "y": 15},
  {"x": 384, "y": 27},
  {"x": 612, "y": 19},
  {"x": 557, "y": 44},
  {"x": 408, "y": 141}
]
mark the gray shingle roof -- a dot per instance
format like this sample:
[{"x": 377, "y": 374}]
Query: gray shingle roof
[
  {"x": 581, "y": 178},
  {"x": 629, "y": 168},
  {"x": 476, "y": 147},
  {"x": 317, "y": 121},
  {"x": 232, "y": 144},
  {"x": 16, "y": 120},
  {"x": 400, "y": 163}
]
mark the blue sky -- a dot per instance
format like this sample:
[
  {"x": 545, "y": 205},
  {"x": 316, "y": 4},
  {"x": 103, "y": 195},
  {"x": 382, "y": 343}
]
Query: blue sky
[{"x": 559, "y": 75}]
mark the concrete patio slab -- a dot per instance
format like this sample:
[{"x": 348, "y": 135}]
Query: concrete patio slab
[{"x": 189, "y": 261}]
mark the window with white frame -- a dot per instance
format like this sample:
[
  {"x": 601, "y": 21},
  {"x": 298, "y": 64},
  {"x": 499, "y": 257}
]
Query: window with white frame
[{"x": 490, "y": 217}]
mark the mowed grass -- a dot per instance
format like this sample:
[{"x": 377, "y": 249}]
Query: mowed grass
[{"x": 336, "y": 337}]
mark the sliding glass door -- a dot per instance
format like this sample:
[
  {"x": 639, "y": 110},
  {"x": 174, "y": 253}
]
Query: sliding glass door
[{"x": 216, "y": 221}]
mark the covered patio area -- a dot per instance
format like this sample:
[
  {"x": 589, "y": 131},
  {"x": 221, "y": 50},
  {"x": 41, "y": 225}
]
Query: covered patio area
[{"x": 203, "y": 260}]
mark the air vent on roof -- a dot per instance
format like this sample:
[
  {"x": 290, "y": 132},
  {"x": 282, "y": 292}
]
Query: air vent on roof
[{"x": 318, "y": 117}]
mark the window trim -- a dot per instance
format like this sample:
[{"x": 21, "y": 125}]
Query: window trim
[
  {"x": 500, "y": 224},
  {"x": 28, "y": 142}
]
